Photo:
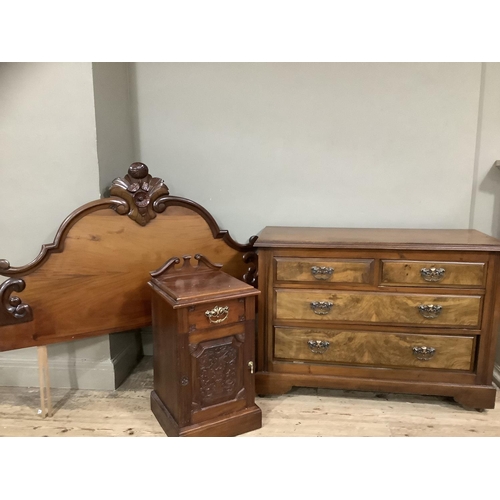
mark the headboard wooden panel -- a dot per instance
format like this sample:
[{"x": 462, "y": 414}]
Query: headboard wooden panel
[{"x": 93, "y": 279}]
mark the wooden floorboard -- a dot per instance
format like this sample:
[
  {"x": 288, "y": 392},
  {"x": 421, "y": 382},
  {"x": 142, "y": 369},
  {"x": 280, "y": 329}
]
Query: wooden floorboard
[{"x": 302, "y": 412}]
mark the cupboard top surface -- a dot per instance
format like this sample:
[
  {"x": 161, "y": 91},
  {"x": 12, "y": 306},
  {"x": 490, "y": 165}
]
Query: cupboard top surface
[
  {"x": 202, "y": 286},
  {"x": 404, "y": 239}
]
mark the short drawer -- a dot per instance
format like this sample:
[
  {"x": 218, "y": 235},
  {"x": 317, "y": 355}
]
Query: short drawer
[
  {"x": 373, "y": 307},
  {"x": 323, "y": 270},
  {"x": 214, "y": 314},
  {"x": 374, "y": 348},
  {"x": 422, "y": 273}
]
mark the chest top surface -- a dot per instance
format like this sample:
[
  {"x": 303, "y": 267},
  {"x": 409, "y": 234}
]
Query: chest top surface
[
  {"x": 187, "y": 284},
  {"x": 404, "y": 239}
]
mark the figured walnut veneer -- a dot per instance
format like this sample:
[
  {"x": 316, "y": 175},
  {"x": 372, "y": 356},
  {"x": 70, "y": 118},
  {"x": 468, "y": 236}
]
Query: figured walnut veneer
[
  {"x": 366, "y": 307},
  {"x": 328, "y": 270},
  {"x": 92, "y": 280},
  {"x": 459, "y": 274},
  {"x": 374, "y": 348}
]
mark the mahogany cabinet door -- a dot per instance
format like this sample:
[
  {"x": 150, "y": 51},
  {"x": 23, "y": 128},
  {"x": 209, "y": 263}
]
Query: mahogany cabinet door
[{"x": 221, "y": 378}]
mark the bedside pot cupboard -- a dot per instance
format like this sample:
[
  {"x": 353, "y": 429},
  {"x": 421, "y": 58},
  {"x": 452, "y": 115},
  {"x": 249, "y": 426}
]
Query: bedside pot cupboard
[
  {"x": 203, "y": 333},
  {"x": 394, "y": 310}
]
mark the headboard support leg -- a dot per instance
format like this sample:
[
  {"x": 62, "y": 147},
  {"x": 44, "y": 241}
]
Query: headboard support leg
[{"x": 43, "y": 376}]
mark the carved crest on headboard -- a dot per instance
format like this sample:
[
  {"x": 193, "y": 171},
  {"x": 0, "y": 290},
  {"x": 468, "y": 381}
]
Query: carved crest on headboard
[{"x": 139, "y": 189}]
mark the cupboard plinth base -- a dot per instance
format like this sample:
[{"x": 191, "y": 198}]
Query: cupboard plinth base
[
  {"x": 471, "y": 396},
  {"x": 229, "y": 425}
]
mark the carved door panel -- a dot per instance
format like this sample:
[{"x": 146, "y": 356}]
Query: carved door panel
[{"x": 219, "y": 377}]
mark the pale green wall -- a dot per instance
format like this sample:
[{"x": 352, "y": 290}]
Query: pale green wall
[
  {"x": 113, "y": 116},
  {"x": 485, "y": 215},
  {"x": 48, "y": 159},
  {"x": 313, "y": 144}
]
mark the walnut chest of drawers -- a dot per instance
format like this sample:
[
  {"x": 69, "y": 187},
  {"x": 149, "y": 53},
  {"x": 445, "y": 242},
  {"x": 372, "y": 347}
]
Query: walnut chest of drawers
[
  {"x": 395, "y": 310},
  {"x": 203, "y": 350}
]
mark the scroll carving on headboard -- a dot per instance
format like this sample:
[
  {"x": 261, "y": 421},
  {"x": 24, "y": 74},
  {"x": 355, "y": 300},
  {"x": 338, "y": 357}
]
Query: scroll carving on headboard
[
  {"x": 92, "y": 279},
  {"x": 251, "y": 258},
  {"x": 12, "y": 309}
]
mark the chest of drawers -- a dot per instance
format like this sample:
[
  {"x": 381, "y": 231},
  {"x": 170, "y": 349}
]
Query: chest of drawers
[{"x": 411, "y": 311}]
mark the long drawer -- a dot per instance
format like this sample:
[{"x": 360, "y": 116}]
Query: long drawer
[
  {"x": 374, "y": 348},
  {"x": 426, "y": 273},
  {"x": 376, "y": 307}
]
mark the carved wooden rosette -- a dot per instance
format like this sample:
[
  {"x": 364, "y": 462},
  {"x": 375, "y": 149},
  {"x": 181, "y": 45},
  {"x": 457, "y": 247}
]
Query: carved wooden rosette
[
  {"x": 12, "y": 310},
  {"x": 140, "y": 190}
]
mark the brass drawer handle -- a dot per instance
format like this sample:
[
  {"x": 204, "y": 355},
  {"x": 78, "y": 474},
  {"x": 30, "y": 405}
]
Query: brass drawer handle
[
  {"x": 321, "y": 307},
  {"x": 432, "y": 273},
  {"x": 218, "y": 314},
  {"x": 430, "y": 311},
  {"x": 322, "y": 272},
  {"x": 424, "y": 353},
  {"x": 318, "y": 346}
]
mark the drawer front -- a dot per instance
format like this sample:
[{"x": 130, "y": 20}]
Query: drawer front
[
  {"x": 323, "y": 270},
  {"x": 374, "y": 348},
  {"x": 422, "y": 273},
  {"x": 396, "y": 308},
  {"x": 215, "y": 314}
]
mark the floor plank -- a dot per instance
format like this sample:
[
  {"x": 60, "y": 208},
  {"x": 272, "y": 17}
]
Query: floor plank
[{"x": 302, "y": 412}]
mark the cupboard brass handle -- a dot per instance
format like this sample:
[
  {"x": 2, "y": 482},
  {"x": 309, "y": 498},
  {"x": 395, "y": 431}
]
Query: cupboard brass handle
[
  {"x": 321, "y": 307},
  {"x": 322, "y": 272},
  {"x": 218, "y": 314},
  {"x": 250, "y": 365},
  {"x": 318, "y": 346},
  {"x": 432, "y": 273},
  {"x": 430, "y": 311},
  {"x": 424, "y": 353}
]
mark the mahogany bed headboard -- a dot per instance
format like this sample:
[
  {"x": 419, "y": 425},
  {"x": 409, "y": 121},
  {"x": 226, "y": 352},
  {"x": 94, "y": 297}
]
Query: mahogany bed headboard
[{"x": 92, "y": 280}]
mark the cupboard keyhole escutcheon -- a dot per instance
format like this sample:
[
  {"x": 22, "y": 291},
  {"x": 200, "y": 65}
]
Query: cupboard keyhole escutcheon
[
  {"x": 322, "y": 272},
  {"x": 321, "y": 307},
  {"x": 318, "y": 346},
  {"x": 430, "y": 311},
  {"x": 424, "y": 353},
  {"x": 218, "y": 314},
  {"x": 432, "y": 273}
]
